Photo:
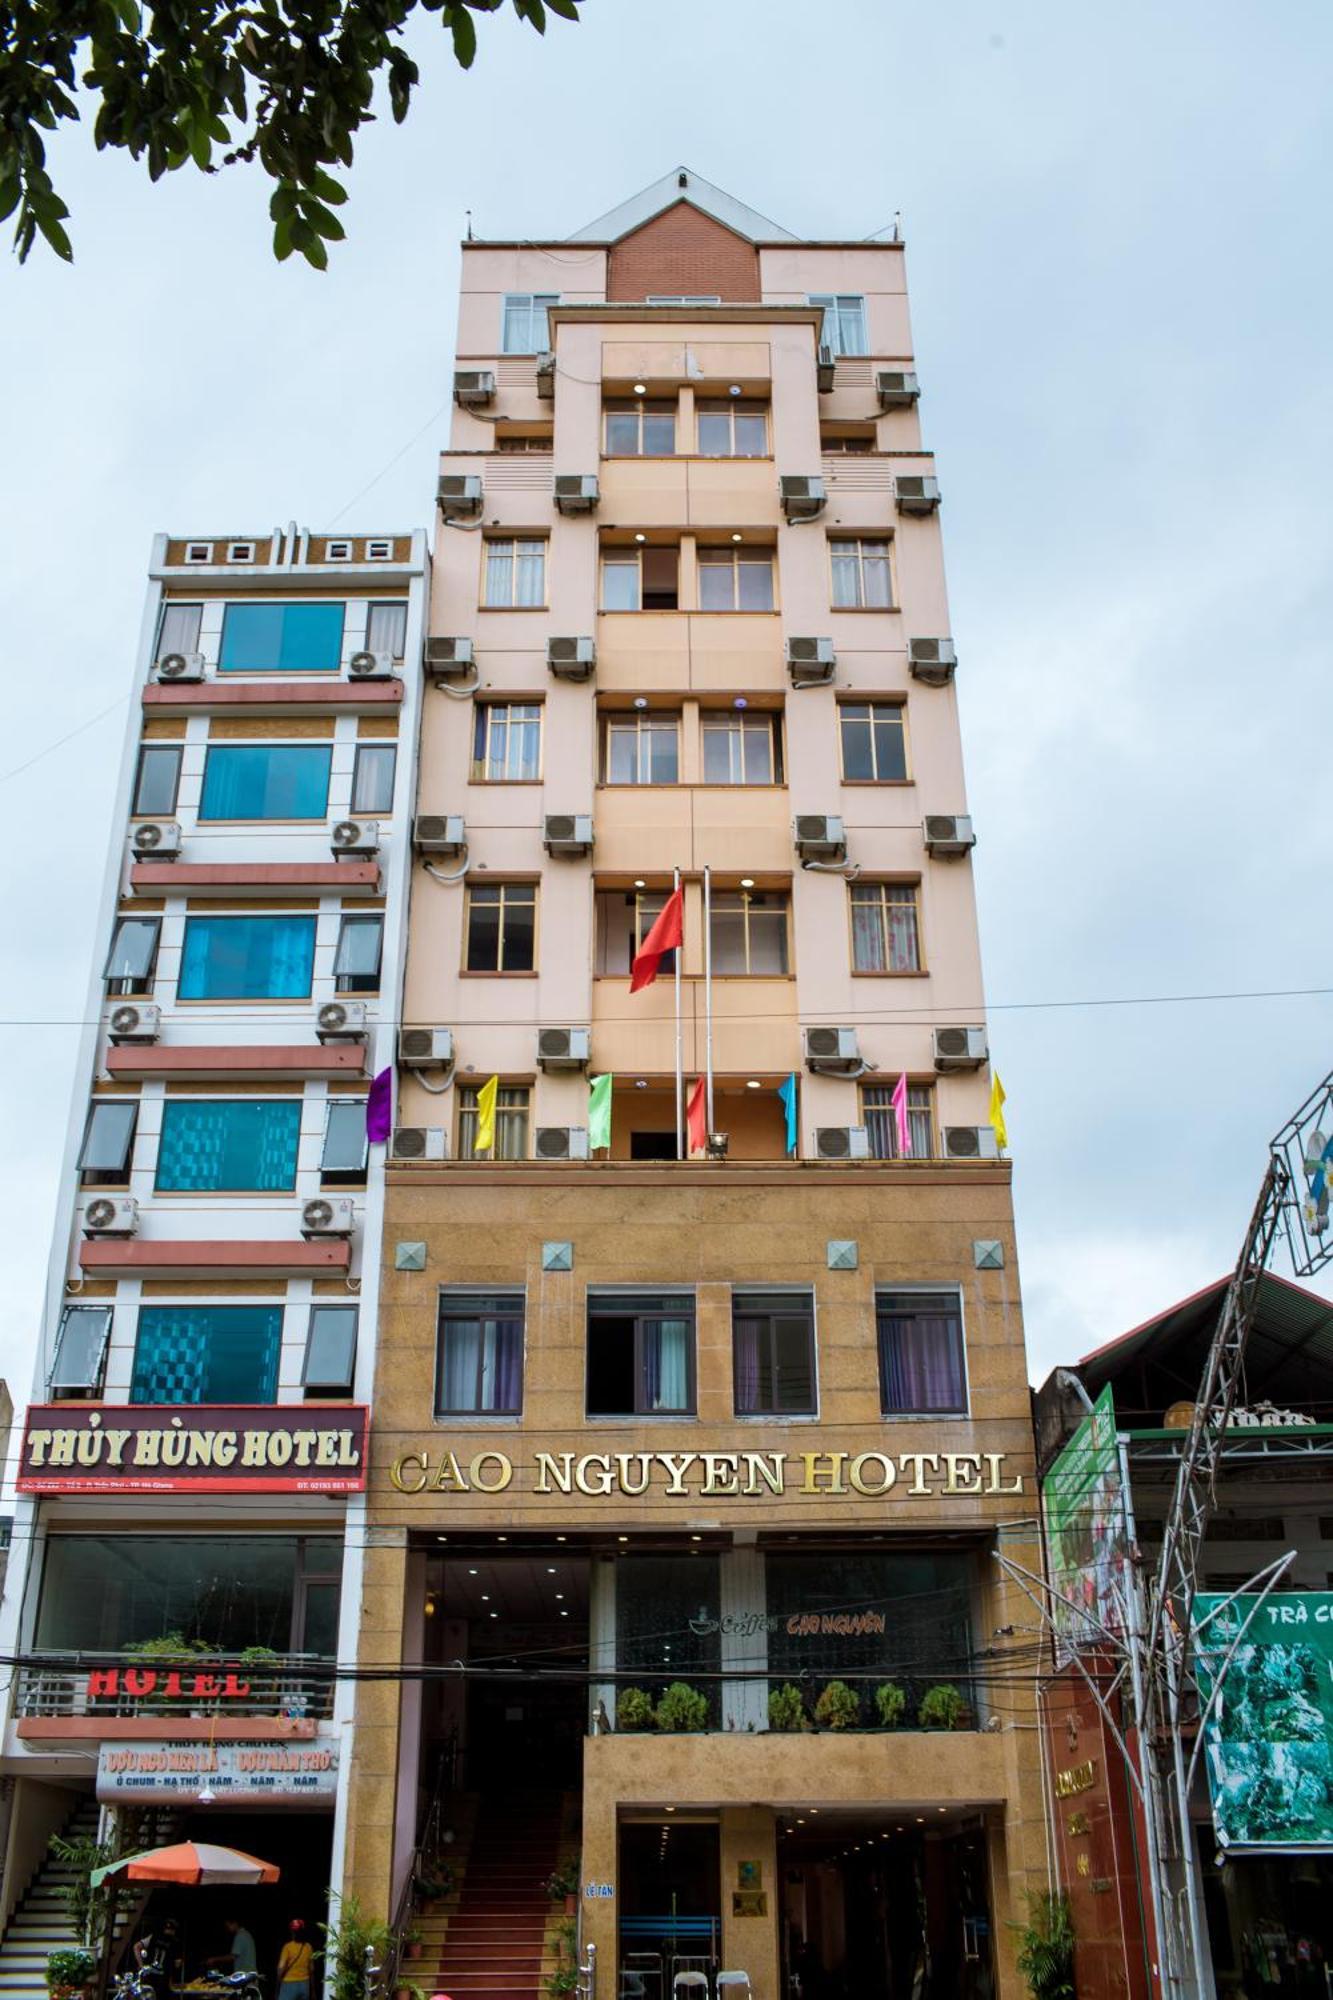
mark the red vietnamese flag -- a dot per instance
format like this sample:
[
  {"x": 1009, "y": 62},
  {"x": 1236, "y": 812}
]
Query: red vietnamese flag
[
  {"x": 696, "y": 1120},
  {"x": 666, "y": 935}
]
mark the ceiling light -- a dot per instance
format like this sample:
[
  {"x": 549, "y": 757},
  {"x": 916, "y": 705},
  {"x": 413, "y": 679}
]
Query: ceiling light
[
  {"x": 622, "y": 1538},
  {"x": 740, "y": 702},
  {"x": 640, "y": 1083},
  {"x": 640, "y": 882},
  {"x": 944, "y": 1808},
  {"x": 747, "y": 881},
  {"x": 502, "y": 1538},
  {"x": 919, "y": 1820},
  {"x": 549, "y": 1570},
  {"x": 495, "y": 1614},
  {"x": 735, "y": 389},
  {"x": 564, "y": 1614},
  {"x": 814, "y": 1809},
  {"x": 562, "y": 1538},
  {"x": 696, "y": 1538},
  {"x": 472, "y": 1572},
  {"x": 738, "y": 537},
  {"x": 753, "y": 1083},
  {"x": 485, "y": 1598},
  {"x": 559, "y": 1596},
  {"x": 668, "y": 1808},
  {"x": 641, "y": 388},
  {"x": 641, "y": 538},
  {"x": 641, "y": 701}
]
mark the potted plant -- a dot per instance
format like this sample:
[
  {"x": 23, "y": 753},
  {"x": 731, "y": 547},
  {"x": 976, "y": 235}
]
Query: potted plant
[
  {"x": 70, "y": 1971},
  {"x": 562, "y": 1884},
  {"x": 347, "y": 1940},
  {"x": 634, "y": 1709},
  {"x": 786, "y": 1710},
  {"x": 1046, "y": 1948},
  {"x": 838, "y": 1707},
  {"x": 434, "y": 1881},
  {"x": 565, "y": 1979},
  {"x": 412, "y": 1942},
  {"x": 942, "y": 1707},
  {"x": 682, "y": 1710},
  {"x": 890, "y": 1704}
]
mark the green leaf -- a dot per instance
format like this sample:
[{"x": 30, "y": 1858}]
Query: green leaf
[
  {"x": 56, "y": 237},
  {"x": 282, "y": 239},
  {"x": 568, "y": 10},
  {"x": 282, "y": 201},
  {"x": 465, "y": 36},
  {"x": 10, "y": 191},
  {"x": 323, "y": 220},
  {"x": 315, "y": 253},
  {"x": 326, "y": 187}
]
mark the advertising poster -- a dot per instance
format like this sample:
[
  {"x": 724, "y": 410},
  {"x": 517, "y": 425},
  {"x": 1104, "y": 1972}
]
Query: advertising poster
[
  {"x": 1087, "y": 1543},
  {"x": 1267, "y": 1740}
]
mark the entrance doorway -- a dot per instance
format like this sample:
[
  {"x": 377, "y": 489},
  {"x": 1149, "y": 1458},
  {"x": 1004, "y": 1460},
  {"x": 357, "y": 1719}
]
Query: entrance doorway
[{"x": 670, "y": 1904}]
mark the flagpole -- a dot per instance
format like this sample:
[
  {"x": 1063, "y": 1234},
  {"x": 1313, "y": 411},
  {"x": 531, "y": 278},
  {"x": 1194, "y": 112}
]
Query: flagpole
[
  {"x": 680, "y": 1072},
  {"x": 708, "y": 991}
]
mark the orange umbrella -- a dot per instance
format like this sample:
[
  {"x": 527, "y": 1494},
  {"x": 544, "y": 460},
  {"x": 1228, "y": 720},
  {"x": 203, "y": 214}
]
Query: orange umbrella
[{"x": 197, "y": 1863}]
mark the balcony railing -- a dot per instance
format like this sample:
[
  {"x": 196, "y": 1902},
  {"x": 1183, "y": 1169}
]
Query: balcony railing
[{"x": 293, "y": 1686}]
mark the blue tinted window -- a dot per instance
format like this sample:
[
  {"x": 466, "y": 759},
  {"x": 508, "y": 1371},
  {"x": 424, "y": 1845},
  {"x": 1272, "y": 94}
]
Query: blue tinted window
[
  {"x": 228, "y": 1146},
  {"x": 266, "y": 781},
  {"x": 281, "y": 639},
  {"x": 207, "y": 1354},
  {"x": 247, "y": 958}
]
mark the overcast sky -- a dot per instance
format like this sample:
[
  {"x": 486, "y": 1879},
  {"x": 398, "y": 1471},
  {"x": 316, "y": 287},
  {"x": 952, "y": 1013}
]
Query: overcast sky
[{"x": 1117, "y": 224}]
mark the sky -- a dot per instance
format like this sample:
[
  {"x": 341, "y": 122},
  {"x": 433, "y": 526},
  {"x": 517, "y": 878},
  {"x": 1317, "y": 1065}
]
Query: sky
[{"x": 1117, "y": 229}]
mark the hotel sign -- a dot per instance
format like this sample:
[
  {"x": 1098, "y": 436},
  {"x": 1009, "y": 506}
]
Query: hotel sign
[
  {"x": 682, "y": 1475},
  {"x": 200, "y": 1448},
  {"x": 234, "y": 1773}
]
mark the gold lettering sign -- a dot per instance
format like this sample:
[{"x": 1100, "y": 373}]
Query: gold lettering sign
[
  {"x": 682, "y": 1475},
  {"x": 1078, "y": 1778}
]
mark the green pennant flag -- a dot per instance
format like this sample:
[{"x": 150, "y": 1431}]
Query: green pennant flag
[{"x": 599, "y": 1112}]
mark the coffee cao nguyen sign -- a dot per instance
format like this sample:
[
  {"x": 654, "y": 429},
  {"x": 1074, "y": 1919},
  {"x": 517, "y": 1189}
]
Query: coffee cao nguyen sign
[
  {"x": 201, "y": 1448},
  {"x": 706, "y": 1474}
]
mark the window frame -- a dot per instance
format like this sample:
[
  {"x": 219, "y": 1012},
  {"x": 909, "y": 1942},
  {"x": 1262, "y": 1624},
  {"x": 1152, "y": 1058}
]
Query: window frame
[
  {"x": 370, "y": 751},
  {"x": 888, "y": 706},
  {"x": 731, "y": 409},
  {"x": 319, "y": 1384},
  {"x": 879, "y": 1118},
  {"x": 625, "y": 1298},
  {"x": 644, "y": 724},
  {"x": 395, "y": 604},
  {"x": 512, "y": 1119},
  {"x": 485, "y": 714},
  {"x": 624, "y": 555},
  {"x": 719, "y": 557},
  {"x": 308, "y": 917},
  {"x": 284, "y": 605},
  {"x": 640, "y": 407},
  {"x": 167, "y": 752},
  {"x": 175, "y": 1106},
  {"x": 861, "y": 543},
  {"x": 770, "y": 1313},
  {"x": 99, "y": 1344},
  {"x": 119, "y": 1146},
  {"x": 163, "y": 1307},
  {"x": 641, "y": 922},
  {"x": 121, "y": 985},
  {"x": 229, "y": 748},
  {"x": 515, "y": 545},
  {"x": 532, "y": 304},
  {"x": 885, "y": 901},
  {"x": 173, "y": 607},
  {"x": 458, "y": 1297},
  {"x": 963, "y": 1409},
  {"x": 834, "y": 305},
  {"x": 735, "y": 725},
  {"x": 748, "y": 899},
  {"x": 683, "y": 299},
  {"x": 341, "y": 1110},
  {"x": 359, "y": 982},
  {"x": 521, "y": 892}
]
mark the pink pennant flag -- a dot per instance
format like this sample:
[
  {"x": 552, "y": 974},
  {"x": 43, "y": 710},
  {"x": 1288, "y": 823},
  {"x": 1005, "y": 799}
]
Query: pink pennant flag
[{"x": 899, "y": 1105}]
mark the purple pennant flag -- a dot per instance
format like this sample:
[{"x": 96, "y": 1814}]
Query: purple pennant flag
[{"x": 379, "y": 1108}]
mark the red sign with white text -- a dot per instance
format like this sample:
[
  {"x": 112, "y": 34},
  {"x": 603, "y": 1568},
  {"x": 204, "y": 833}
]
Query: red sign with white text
[{"x": 199, "y": 1448}]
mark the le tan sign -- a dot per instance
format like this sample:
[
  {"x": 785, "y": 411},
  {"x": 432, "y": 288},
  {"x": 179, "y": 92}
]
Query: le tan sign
[
  {"x": 681, "y": 1475},
  {"x": 197, "y": 1448}
]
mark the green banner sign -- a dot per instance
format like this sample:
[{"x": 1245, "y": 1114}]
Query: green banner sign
[
  {"x": 1087, "y": 1545},
  {"x": 1269, "y": 1738}
]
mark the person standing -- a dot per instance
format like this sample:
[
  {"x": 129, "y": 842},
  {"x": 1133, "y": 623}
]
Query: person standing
[{"x": 295, "y": 1962}]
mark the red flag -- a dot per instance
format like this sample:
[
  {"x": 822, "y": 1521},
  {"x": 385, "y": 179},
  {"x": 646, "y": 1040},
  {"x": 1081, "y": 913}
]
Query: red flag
[
  {"x": 696, "y": 1120},
  {"x": 665, "y": 935}
]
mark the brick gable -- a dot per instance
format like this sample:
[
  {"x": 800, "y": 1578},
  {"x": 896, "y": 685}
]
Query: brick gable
[{"x": 683, "y": 252}]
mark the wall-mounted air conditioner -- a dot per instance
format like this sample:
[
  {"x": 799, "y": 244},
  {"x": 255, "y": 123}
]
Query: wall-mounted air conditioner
[
  {"x": 425, "y": 1048},
  {"x": 355, "y": 839},
  {"x": 156, "y": 840},
  {"x": 576, "y": 492},
  {"x": 342, "y": 1021},
  {"x": 474, "y": 388},
  {"x": 563, "y": 1048},
  {"x": 134, "y": 1021},
  {"x": 897, "y": 388},
  {"x": 546, "y": 377},
  {"x": 932, "y": 661},
  {"x": 803, "y": 495},
  {"x": 458, "y": 494},
  {"x": 825, "y": 374},
  {"x": 959, "y": 1049},
  {"x": 948, "y": 835},
  {"x": 561, "y": 1142},
  {"x": 831, "y": 1051},
  {"x": 571, "y": 659},
  {"x": 179, "y": 667},
  {"x": 810, "y": 662},
  {"x": 419, "y": 1142},
  {"x": 567, "y": 833},
  {"x": 442, "y": 658},
  {"x": 328, "y": 1215},
  {"x": 111, "y": 1215},
  {"x": 916, "y": 493},
  {"x": 371, "y": 667},
  {"x": 842, "y": 1142},
  {"x": 819, "y": 837},
  {"x": 970, "y": 1142},
  {"x": 439, "y": 833}
]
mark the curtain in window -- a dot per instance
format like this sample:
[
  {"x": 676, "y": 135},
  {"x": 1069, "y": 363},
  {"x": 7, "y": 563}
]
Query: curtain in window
[
  {"x": 207, "y": 1354},
  {"x": 227, "y": 1145},
  {"x": 386, "y": 629},
  {"x": 481, "y": 1364},
  {"x": 746, "y": 1335},
  {"x": 179, "y": 631},
  {"x": 868, "y": 940},
  {"x": 358, "y": 952},
  {"x": 846, "y": 575},
  {"x": 266, "y": 781},
  {"x": 530, "y": 574},
  {"x": 247, "y": 958},
  {"x": 372, "y": 782},
  {"x": 133, "y": 948},
  {"x": 666, "y": 1364},
  {"x": 499, "y": 572},
  {"x": 901, "y": 915},
  {"x": 922, "y": 1361}
]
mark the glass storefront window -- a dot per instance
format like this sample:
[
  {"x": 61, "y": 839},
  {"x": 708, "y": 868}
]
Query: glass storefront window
[
  {"x": 103, "y": 1593},
  {"x": 902, "y": 1617},
  {"x": 667, "y": 1623}
]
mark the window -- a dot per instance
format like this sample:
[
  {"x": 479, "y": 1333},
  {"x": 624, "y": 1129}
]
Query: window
[
  {"x": 386, "y": 627},
  {"x": 379, "y": 550},
  {"x": 844, "y": 328},
  {"x": 198, "y": 552},
  {"x": 330, "y": 1352},
  {"x": 735, "y": 579},
  {"x": 921, "y": 1635},
  {"x": 750, "y": 932},
  {"x": 372, "y": 777},
  {"x": 247, "y": 958},
  {"x": 240, "y": 552},
  {"x": 211, "y": 1145},
  {"x": 669, "y": 1628},
  {"x": 525, "y": 327},
  {"x": 640, "y": 429},
  {"x": 862, "y": 574},
  {"x": 157, "y": 780},
  {"x": 885, "y": 931},
  {"x": 640, "y": 1354},
  {"x": 540, "y": 441},
  {"x": 685, "y": 299},
  {"x": 742, "y": 749},
  {"x": 641, "y": 579},
  {"x": 479, "y": 1357},
  {"x": 108, "y": 1141},
  {"x": 356, "y": 961},
  {"x": 515, "y": 573},
  {"x": 921, "y": 1354},
  {"x": 266, "y": 781},
  {"x": 640, "y": 748},
  {"x": 874, "y": 742},
  {"x": 848, "y": 442},
  {"x": 773, "y": 1350},
  {"x": 281, "y": 639},
  {"x": 501, "y": 927},
  {"x": 733, "y": 429},
  {"x": 80, "y": 1354},
  {"x": 178, "y": 631},
  {"x": 207, "y": 1354},
  {"x": 881, "y": 1120},
  {"x": 624, "y": 919},
  {"x": 511, "y": 1122},
  {"x": 343, "y": 1160},
  {"x": 506, "y": 742},
  {"x": 132, "y": 959},
  {"x": 338, "y": 551}
]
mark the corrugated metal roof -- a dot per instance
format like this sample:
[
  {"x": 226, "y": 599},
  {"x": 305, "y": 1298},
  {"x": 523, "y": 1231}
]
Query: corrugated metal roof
[{"x": 1291, "y": 1340}]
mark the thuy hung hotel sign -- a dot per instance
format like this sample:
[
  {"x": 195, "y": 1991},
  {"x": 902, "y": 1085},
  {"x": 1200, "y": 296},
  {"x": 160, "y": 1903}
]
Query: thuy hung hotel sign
[
  {"x": 199, "y": 1448},
  {"x": 682, "y": 1475}
]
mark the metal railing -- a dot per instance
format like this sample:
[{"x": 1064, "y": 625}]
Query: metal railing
[{"x": 102, "y": 1686}]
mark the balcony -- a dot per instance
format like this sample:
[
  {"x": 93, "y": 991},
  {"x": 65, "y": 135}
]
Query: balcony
[
  {"x": 167, "y": 1257},
  {"x": 274, "y": 697},
  {"x": 128, "y": 1697},
  {"x": 255, "y": 878},
  {"x": 136, "y": 1062}
]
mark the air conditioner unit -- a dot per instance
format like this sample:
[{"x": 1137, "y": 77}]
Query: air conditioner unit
[
  {"x": 916, "y": 493},
  {"x": 328, "y": 1215},
  {"x": 810, "y": 662},
  {"x": 474, "y": 388},
  {"x": 546, "y": 376},
  {"x": 355, "y": 838},
  {"x": 180, "y": 667},
  {"x": 896, "y": 388},
  {"x": 157, "y": 840},
  {"x": 567, "y": 833},
  {"x": 111, "y": 1215},
  {"x": 458, "y": 494},
  {"x": 563, "y": 1048},
  {"x": 371, "y": 667},
  {"x": 932, "y": 661},
  {"x": 842, "y": 1142},
  {"x": 419, "y": 1142},
  {"x": 342, "y": 1021},
  {"x": 439, "y": 833},
  {"x": 576, "y": 492},
  {"x": 831, "y": 1051},
  {"x": 425, "y": 1048},
  {"x": 970, "y": 1142},
  {"x": 803, "y": 496},
  {"x": 819, "y": 837},
  {"x": 561, "y": 1142},
  {"x": 959, "y": 1048},
  {"x": 824, "y": 370},
  {"x": 948, "y": 834},
  {"x": 442, "y": 658},
  {"x": 135, "y": 1021},
  {"x": 571, "y": 659}
]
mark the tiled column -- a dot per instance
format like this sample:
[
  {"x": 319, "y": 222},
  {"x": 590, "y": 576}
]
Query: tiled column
[{"x": 370, "y": 1825}]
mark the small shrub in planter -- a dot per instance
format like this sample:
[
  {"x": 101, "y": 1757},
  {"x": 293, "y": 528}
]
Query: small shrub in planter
[
  {"x": 890, "y": 1704},
  {"x": 942, "y": 1707},
  {"x": 1046, "y": 1948},
  {"x": 682, "y": 1709},
  {"x": 786, "y": 1710},
  {"x": 71, "y": 1970},
  {"x": 838, "y": 1707},
  {"x": 634, "y": 1709}
]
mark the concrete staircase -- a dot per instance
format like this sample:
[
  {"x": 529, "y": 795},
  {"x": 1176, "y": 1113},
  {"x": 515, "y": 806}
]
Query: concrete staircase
[
  {"x": 40, "y": 1923},
  {"x": 490, "y": 1942}
]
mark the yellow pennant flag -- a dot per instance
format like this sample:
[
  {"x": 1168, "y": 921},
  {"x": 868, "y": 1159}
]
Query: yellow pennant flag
[
  {"x": 997, "y": 1111},
  {"x": 486, "y": 1096}
]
